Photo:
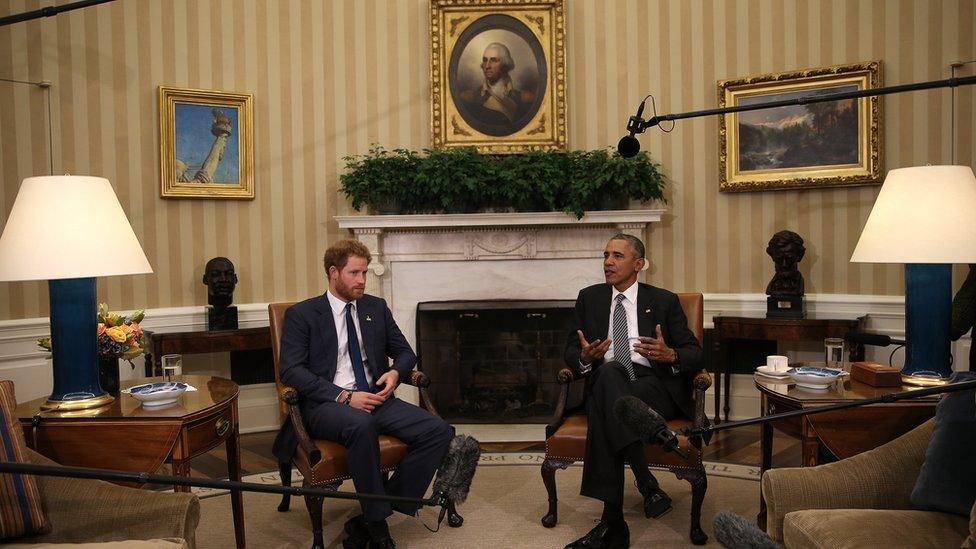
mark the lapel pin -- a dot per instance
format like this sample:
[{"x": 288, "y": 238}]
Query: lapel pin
[
  {"x": 369, "y": 318},
  {"x": 647, "y": 311}
]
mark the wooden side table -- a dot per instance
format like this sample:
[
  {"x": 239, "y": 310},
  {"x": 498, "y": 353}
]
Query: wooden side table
[
  {"x": 728, "y": 328},
  {"x": 127, "y": 436},
  {"x": 844, "y": 433},
  {"x": 203, "y": 341}
]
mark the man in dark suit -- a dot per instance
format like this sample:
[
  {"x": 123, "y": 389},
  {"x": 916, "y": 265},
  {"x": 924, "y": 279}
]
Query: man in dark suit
[
  {"x": 334, "y": 351},
  {"x": 633, "y": 339}
]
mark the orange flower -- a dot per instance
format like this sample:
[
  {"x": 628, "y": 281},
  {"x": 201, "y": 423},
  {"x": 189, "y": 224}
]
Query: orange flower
[
  {"x": 101, "y": 329},
  {"x": 116, "y": 333},
  {"x": 136, "y": 329}
]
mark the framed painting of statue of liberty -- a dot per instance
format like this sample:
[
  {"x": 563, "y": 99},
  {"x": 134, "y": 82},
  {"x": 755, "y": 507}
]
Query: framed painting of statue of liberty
[
  {"x": 205, "y": 144},
  {"x": 822, "y": 144}
]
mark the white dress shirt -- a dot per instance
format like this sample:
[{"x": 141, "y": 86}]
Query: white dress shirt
[
  {"x": 344, "y": 376},
  {"x": 630, "y": 307}
]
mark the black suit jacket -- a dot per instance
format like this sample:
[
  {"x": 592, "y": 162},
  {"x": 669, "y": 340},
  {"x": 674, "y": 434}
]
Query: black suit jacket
[
  {"x": 654, "y": 306},
  {"x": 309, "y": 353}
]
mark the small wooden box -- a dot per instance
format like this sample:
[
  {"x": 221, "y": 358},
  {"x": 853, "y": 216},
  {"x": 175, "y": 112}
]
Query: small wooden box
[{"x": 876, "y": 375}]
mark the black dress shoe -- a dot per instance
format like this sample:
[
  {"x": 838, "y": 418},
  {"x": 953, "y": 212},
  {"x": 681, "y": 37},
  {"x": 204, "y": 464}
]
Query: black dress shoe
[
  {"x": 604, "y": 536},
  {"x": 357, "y": 536},
  {"x": 385, "y": 543},
  {"x": 657, "y": 503}
]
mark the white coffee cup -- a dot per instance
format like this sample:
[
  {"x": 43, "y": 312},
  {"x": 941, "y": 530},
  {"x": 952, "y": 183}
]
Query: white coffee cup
[{"x": 778, "y": 363}]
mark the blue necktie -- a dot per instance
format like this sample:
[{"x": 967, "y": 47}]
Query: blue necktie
[{"x": 355, "y": 356}]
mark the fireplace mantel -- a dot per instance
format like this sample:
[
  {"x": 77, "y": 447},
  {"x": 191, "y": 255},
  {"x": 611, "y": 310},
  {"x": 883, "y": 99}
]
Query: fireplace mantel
[{"x": 619, "y": 218}]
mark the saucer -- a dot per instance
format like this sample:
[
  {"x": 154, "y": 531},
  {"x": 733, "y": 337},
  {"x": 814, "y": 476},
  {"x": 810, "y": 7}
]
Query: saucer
[
  {"x": 769, "y": 372},
  {"x": 815, "y": 378},
  {"x": 158, "y": 394}
]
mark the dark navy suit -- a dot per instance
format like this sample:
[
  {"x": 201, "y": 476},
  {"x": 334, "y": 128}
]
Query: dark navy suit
[
  {"x": 660, "y": 386},
  {"x": 308, "y": 360}
]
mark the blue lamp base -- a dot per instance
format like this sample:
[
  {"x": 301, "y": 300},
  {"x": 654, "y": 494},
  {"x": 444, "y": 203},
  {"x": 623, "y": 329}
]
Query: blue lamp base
[
  {"x": 74, "y": 346},
  {"x": 928, "y": 314}
]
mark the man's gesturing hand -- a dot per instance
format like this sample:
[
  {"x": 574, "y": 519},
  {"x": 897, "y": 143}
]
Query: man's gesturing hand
[
  {"x": 593, "y": 350},
  {"x": 654, "y": 348},
  {"x": 365, "y": 401}
]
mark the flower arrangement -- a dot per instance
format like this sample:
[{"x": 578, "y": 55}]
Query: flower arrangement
[{"x": 118, "y": 336}]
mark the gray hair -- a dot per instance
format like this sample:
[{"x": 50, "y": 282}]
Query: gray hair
[
  {"x": 634, "y": 242},
  {"x": 505, "y": 55}
]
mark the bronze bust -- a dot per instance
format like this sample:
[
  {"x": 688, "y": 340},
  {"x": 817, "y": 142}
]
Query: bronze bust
[
  {"x": 220, "y": 278},
  {"x": 785, "y": 289}
]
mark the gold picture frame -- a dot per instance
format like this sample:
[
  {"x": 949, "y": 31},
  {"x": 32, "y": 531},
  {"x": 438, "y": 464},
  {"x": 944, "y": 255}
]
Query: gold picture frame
[
  {"x": 516, "y": 104},
  {"x": 833, "y": 143},
  {"x": 206, "y": 144}
]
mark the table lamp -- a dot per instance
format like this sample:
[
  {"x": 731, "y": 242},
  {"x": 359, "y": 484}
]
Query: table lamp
[
  {"x": 924, "y": 217},
  {"x": 68, "y": 230}
]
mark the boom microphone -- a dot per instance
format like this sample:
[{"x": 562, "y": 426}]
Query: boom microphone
[
  {"x": 736, "y": 532},
  {"x": 634, "y": 413},
  {"x": 629, "y": 145},
  {"x": 456, "y": 472},
  {"x": 878, "y": 340}
]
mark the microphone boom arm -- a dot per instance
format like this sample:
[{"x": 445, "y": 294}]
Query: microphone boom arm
[
  {"x": 642, "y": 125},
  {"x": 891, "y": 397}
]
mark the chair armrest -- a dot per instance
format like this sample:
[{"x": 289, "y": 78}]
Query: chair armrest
[
  {"x": 564, "y": 377},
  {"x": 289, "y": 395},
  {"x": 86, "y": 510},
  {"x": 882, "y": 478},
  {"x": 700, "y": 384}
]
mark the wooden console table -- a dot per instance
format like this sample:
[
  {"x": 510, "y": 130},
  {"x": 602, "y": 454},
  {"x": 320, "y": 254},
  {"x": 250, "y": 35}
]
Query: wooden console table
[
  {"x": 127, "y": 436},
  {"x": 758, "y": 327},
  {"x": 203, "y": 341},
  {"x": 844, "y": 433}
]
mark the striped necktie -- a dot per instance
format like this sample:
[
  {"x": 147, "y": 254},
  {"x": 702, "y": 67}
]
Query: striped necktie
[{"x": 621, "y": 337}]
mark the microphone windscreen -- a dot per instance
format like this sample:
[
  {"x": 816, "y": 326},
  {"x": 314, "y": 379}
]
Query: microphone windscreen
[
  {"x": 736, "y": 532},
  {"x": 635, "y": 414},
  {"x": 456, "y": 472},
  {"x": 628, "y": 146}
]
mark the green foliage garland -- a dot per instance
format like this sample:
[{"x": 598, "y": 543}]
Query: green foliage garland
[{"x": 461, "y": 180}]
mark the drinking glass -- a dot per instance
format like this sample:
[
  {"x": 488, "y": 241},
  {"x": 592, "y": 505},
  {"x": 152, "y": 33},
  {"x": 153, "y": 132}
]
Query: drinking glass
[
  {"x": 833, "y": 352},
  {"x": 172, "y": 366}
]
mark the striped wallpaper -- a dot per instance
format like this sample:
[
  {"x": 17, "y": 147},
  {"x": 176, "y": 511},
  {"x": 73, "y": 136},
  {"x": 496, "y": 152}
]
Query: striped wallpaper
[{"x": 331, "y": 77}]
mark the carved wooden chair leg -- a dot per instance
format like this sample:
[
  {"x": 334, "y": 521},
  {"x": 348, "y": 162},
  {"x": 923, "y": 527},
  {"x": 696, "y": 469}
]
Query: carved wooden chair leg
[
  {"x": 454, "y": 520},
  {"x": 699, "y": 484},
  {"x": 314, "y": 505},
  {"x": 284, "y": 470},
  {"x": 549, "y": 467}
]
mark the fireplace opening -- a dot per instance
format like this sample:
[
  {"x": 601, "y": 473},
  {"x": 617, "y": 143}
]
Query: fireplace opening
[{"x": 494, "y": 361}]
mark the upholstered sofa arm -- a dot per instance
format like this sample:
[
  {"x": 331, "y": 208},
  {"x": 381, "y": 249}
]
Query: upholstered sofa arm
[
  {"x": 86, "y": 510},
  {"x": 881, "y": 478}
]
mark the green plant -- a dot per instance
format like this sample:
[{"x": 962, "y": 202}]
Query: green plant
[{"x": 462, "y": 180}]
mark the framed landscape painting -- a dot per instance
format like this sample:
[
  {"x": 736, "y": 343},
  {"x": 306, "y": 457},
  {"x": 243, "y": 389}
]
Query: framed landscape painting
[
  {"x": 206, "y": 144},
  {"x": 498, "y": 74},
  {"x": 805, "y": 145}
]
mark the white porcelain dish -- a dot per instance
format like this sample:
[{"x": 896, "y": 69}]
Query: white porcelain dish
[
  {"x": 811, "y": 377},
  {"x": 158, "y": 394}
]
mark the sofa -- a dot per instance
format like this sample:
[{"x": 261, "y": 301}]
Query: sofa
[{"x": 861, "y": 501}]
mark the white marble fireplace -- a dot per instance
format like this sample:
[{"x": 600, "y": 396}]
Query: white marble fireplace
[{"x": 550, "y": 255}]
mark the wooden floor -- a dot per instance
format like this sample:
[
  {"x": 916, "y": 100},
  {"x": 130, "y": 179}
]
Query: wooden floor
[{"x": 739, "y": 445}]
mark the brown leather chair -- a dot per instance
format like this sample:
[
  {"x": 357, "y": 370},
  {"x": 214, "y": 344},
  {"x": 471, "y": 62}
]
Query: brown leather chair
[
  {"x": 566, "y": 434},
  {"x": 322, "y": 462}
]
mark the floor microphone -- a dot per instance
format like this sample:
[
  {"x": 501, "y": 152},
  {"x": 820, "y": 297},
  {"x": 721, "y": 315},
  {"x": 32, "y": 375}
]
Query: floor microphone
[
  {"x": 649, "y": 425},
  {"x": 456, "y": 472},
  {"x": 878, "y": 340},
  {"x": 736, "y": 532}
]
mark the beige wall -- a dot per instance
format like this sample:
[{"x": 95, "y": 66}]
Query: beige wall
[{"x": 331, "y": 77}]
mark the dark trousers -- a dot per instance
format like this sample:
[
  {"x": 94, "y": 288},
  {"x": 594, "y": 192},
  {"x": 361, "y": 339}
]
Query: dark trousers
[
  {"x": 426, "y": 436},
  {"x": 603, "y": 470}
]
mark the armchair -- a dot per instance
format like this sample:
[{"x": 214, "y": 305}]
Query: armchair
[
  {"x": 861, "y": 501},
  {"x": 323, "y": 463},
  {"x": 566, "y": 433}
]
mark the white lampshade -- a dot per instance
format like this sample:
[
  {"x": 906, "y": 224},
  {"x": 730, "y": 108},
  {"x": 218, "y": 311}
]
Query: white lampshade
[
  {"x": 925, "y": 214},
  {"x": 68, "y": 227}
]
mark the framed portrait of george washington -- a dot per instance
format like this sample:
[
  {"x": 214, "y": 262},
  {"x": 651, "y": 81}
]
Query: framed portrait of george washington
[
  {"x": 206, "y": 144},
  {"x": 831, "y": 143},
  {"x": 498, "y": 73}
]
